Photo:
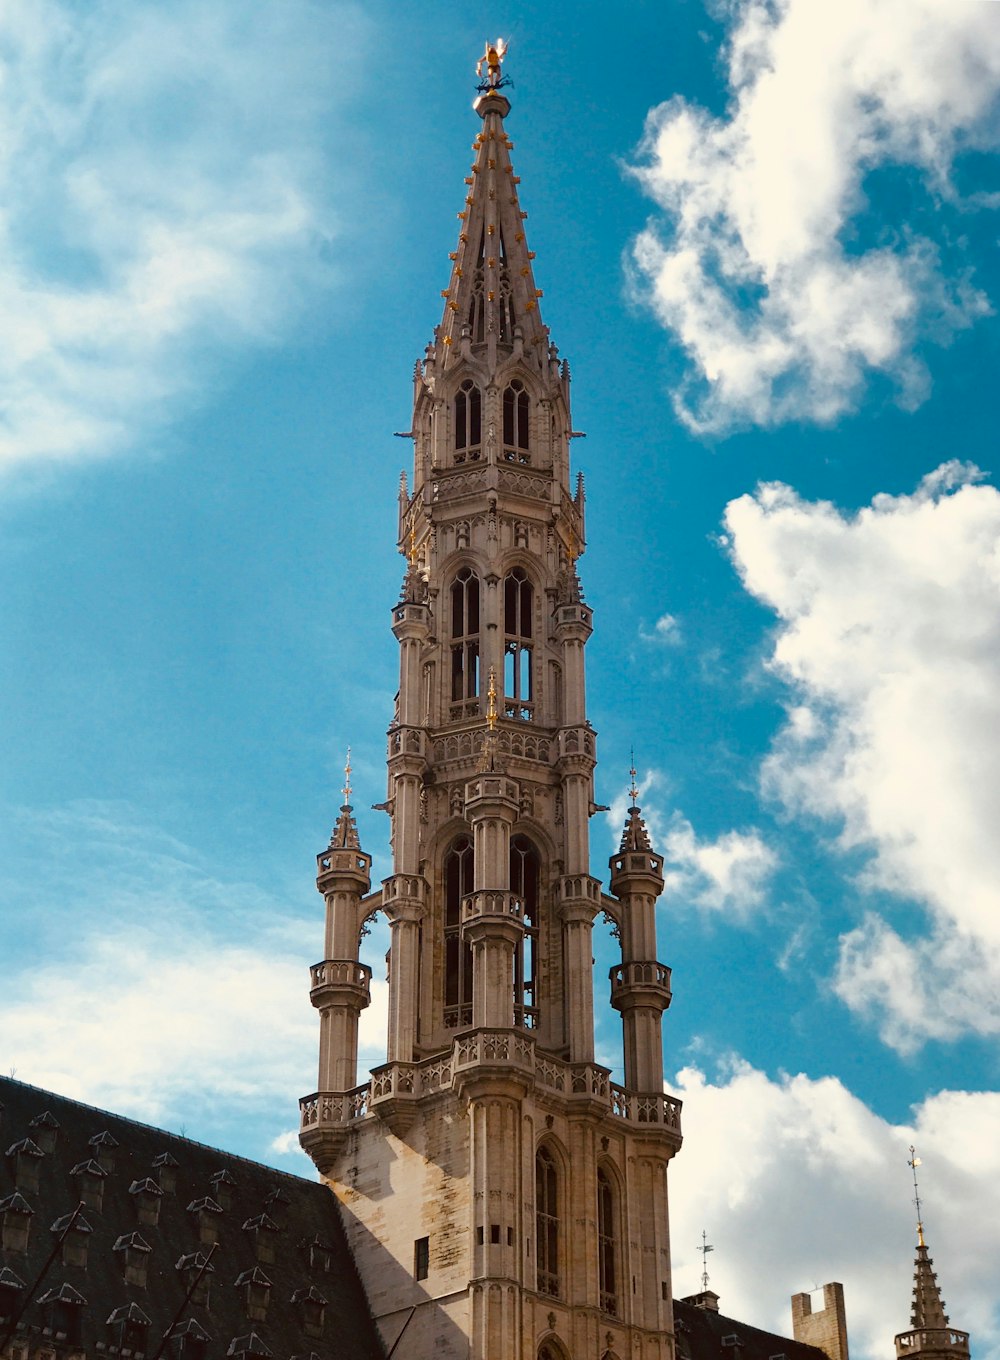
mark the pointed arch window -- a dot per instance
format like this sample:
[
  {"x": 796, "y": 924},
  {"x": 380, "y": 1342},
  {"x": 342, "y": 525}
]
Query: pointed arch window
[
  {"x": 524, "y": 874},
  {"x": 465, "y": 644},
  {"x": 518, "y": 604},
  {"x": 516, "y": 440},
  {"x": 607, "y": 1243},
  {"x": 458, "y": 882},
  {"x": 468, "y": 422},
  {"x": 546, "y": 1223}
]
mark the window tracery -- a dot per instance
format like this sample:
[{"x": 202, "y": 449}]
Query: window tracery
[
  {"x": 524, "y": 875},
  {"x": 518, "y": 603},
  {"x": 468, "y": 422},
  {"x": 607, "y": 1243},
  {"x": 458, "y": 882},
  {"x": 465, "y": 644},
  {"x": 516, "y": 434},
  {"x": 546, "y": 1222}
]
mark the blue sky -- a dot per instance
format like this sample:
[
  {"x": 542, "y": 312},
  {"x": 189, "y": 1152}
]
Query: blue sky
[{"x": 767, "y": 237}]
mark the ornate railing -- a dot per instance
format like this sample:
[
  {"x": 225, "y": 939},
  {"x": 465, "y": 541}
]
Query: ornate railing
[
  {"x": 340, "y": 973},
  {"x": 334, "y": 1109},
  {"x": 652, "y": 1108},
  {"x": 405, "y": 1081},
  {"x": 932, "y": 1339},
  {"x": 640, "y": 974}
]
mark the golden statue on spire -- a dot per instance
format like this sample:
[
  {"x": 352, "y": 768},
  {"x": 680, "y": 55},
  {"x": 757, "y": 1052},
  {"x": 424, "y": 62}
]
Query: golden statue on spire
[
  {"x": 491, "y": 706},
  {"x": 492, "y": 59}
]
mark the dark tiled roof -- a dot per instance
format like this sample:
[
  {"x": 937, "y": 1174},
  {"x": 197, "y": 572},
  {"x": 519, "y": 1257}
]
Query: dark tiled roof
[
  {"x": 706, "y": 1335},
  {"x": 131, "y": 1227}
]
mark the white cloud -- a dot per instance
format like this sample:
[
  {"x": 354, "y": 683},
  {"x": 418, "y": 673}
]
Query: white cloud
[
  {"x": 729, "y": 874},
  {"x": 666, "y": 631},
  {"x": 889, "y": 639},
  {"x": 831, "y": 1180},
  {"x": 763, "y": 268},
  {"x": 140, "y": 981},
  {"x": 148, "y": 1021},
  {"x": 165, "y": 200}
]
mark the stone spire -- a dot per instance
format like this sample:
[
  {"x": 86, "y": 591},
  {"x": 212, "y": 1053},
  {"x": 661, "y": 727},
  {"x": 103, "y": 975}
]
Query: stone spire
[
  {"x": 491, "y": 297},
  {"x": 930, "y": 1337}
]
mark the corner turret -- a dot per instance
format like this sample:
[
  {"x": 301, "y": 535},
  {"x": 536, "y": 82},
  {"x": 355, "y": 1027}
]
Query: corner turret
[{"x": 640, "y": 986}]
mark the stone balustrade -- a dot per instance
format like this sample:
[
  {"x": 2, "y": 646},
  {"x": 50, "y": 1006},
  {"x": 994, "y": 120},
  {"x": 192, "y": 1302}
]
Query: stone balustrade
[
  {"x": 395, "y": 1084},
  {"x": 340, "y": 973},
  {"x": 652, "y": 1108},
  {"x": 333, "y": 1109},
  {"x": 932, "y": 1340},
  {"x": 341, "y": 982},
  {"x": 640, "y": 974},
  {"x": 491, "y": 903}
]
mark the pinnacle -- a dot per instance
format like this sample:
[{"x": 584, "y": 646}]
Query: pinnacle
[
  {"x": 928, "y": 1306},
  {"x": 635, "y": 836},
  {"x": 345, "y": 832}
]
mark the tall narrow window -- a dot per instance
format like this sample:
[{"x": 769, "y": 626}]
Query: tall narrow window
[
  {"x": 465, "y": 644},
  {"x": 524, "y": 885},
  {"x": 606, "y": 1244},
  {"x": 546, "y": 1222},
  {"x": 518, "y": 676},
  {"x": 468, "y": 422},
  {"x": 477, "y": 303},
  {"x": 515, "y": 423},
  {"x": 458, "y": 868}
]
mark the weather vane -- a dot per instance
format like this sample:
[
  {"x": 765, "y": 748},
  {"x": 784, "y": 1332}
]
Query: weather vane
[
  {"x": 913, "y": 1163},
  {"x": 492, "y": 59},
  {"x": 347, "y": 779},
  {"x": 705, "y": 1248},
  {"x": 633, "y": 790}
]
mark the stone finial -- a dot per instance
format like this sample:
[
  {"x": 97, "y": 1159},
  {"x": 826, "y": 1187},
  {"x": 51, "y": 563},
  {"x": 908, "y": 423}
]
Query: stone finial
[
  {"x": 345, "y": 832},
  {"x": 634, "y": 836}
]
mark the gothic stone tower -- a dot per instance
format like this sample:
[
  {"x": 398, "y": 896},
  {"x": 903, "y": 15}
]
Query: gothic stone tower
[{"x": 503, "y": 1198}]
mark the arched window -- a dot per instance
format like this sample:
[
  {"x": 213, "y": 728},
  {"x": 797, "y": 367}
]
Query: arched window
[
  {"x": 458, "y": 871},
  {"x": 518, "y": 598},
  {"x": 515, "y": 423},
  {"x": 468, "y": 422},
  {"x": 548, "y": 1350},
  {"x": 546, "y": 1223},
  {"x": 607, "y": 1244},
  {"x": 465, "y": 644},
  {"x": 524, "y": 885}
]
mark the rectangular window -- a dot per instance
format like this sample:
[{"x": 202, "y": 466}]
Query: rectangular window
[{"x": 421, "y": 1258}]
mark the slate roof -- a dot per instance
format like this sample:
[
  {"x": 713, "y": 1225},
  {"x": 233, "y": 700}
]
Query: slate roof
[
  {"x": 703, "y": 1334},
  {"x": 281, "y": 1281}
]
